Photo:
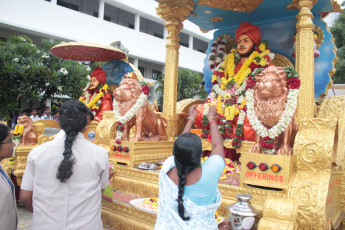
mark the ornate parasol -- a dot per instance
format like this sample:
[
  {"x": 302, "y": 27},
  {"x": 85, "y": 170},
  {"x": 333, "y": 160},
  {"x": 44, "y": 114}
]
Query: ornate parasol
[{"x": 87, "y": 51}]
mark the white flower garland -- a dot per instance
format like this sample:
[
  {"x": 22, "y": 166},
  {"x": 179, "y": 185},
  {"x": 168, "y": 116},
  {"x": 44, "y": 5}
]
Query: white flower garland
[
  {"x": 130, "y": 114},
  {"x": 216, "y": 60},
  {"x": 283, "y": 122},
  {"x": 222, "y": 93},
  {"x": 241, "y": 117}
]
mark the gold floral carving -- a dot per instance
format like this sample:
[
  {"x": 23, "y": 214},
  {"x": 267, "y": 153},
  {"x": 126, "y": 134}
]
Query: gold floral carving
[
  {"x": 124, "y": 216},
  {"x": 336, "y": 6},
  {"x": 294, "y": 4},
  {"x": 334, "y": 108},
  {"x": 174, "y": 12},
  {"x": 142, "y": 151},
  {"x": 104, "y": 128},
  {"x": 44, "y": 138},
  {"x": 342, "y": 189},
  {"x": 20, "y": 159},
  {"x": 136, "y": 182},
  {"x": 281, "y": 60},
  {"x": 278, "y": 213},
  {"x": 273, "y": 224},
  {"x": 6, "y": 166},
  {"x": 320, "y": 36},
  {"x": 313, "y": 155},
  {"x": 305, "y": 59},
  {"x": 246, "y": 6}
]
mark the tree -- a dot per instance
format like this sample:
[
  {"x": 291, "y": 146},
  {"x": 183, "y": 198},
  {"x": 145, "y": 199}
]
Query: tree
[
  {"x": 32, "y": 73},
  {"x": 189, "y": 85},
  {"x": 339, "y": 35}
]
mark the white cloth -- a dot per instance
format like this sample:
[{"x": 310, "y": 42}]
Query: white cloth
[
  {"x": 201, "y": 217},
  {"x": 75, "y": 204},
  {"x": 8, "y": 213},
  {"x": 45, "y": 116},
  {"x": 35, "y": 118}
]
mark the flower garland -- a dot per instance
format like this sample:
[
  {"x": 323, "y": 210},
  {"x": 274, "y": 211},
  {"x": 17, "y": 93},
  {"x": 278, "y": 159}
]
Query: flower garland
[
  {"x": 218, "y": 44},
  {"x": 231, "y": 91},
  {"x": 17, "y": 136},
  {"x": 121, "y": 120},
  {"x": 270, "y": 134},
  {"x": 95, "y": 102}
]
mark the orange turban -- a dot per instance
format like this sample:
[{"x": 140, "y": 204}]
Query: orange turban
[
  {"x": 251, "y": 30},
  {"x": 99, "y": 74}
]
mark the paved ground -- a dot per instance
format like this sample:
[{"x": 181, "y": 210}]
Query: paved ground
[{"x": 24, "y": 219}]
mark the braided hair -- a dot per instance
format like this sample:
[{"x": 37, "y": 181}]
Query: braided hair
[
  {"x": 187, "y": 153},
  {"x": 3, "y": 132},
  {"x": 73, "y": 118}
]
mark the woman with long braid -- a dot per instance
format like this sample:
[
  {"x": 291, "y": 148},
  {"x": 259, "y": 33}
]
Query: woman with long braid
[
  {"x": 188, "y": 190},
  {"x": 64, "y": 178}
]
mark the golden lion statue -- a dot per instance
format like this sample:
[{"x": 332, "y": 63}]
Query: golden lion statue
[
  {"x": 148, "y": 124},
  {"x": 29, "y": 135},
  {"x": 270, "y": 98}
]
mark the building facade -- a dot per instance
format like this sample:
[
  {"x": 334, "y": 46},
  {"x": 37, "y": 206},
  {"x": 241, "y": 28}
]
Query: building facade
[{"x": 131, "y": 25}]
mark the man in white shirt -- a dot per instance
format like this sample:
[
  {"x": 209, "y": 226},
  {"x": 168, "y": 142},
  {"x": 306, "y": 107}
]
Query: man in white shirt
[
  {"x": 63, "y": 180},
  {"x": 47, "y": 113},
  {"x": 34, "y": 116}
]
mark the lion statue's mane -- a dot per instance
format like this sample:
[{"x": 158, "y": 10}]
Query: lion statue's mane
[
  {"x": 29, "y": 136},
  {"x": 269, "y": 110}
]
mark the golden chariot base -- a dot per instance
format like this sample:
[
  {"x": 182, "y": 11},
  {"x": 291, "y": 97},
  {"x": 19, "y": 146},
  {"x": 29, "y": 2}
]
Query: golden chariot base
[
  {"x": 140, "y": 151},
  {"x": 304, "y": 194}
]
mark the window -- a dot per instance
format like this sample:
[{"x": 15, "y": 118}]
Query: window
[
  {"x": 142, "y": 70},
  {"x": 199, "y": 45},
  {"x": 150, "y": 27},
  {"x": 68, "y": 5},
  {"x": 156, "y": 74},
  {"x": 107, "y": 18},
  {"x": 184, "y": 39},
  {"x": 89, "y": 7},
  {"x": 119, "y": 16}
]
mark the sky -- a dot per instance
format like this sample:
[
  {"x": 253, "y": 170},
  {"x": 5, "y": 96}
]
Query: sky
[{"x": 332, "y": 16}]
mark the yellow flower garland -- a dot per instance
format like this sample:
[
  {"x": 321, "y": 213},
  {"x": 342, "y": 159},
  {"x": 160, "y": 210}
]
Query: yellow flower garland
[
  {"x": 18, "y": 129},
  {"x": 228, "y": 68},
  {"x": 92, "y": 103}
]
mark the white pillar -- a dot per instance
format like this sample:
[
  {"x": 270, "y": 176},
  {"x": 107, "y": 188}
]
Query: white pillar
[
  {"x": 54, "y": 2},
  {"x": 136, "y": 62},
  {"x": 49, "y": 102},
  {"x": 165, "y": 33},
  {"x": 101, "y": 9},
  {"x": 190, "y": 41},
  {"x": 137, "y": 22}
]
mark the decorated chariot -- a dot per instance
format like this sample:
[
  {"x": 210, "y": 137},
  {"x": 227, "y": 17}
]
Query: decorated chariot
[{"x": 267, "y": 71}]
